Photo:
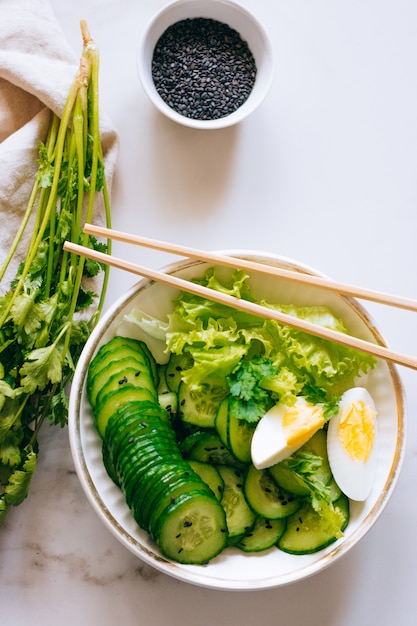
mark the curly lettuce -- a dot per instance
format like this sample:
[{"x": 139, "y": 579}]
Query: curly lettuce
[{"x": 222, "y": 341}]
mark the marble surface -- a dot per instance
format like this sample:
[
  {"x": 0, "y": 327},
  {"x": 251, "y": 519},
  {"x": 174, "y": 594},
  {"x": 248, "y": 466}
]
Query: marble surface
[{"x": 325, "y": 172}]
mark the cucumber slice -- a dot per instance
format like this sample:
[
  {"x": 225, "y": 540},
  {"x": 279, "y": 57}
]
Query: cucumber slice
[
  {"x": 209, "y": 448},
  {"x": 117, "y": 348},
  {"x": 170, "y": 495},
  {"x": 97, "y": 381},
  {"x": 265, "y": 497},
  {"x": 305, "y": 532},
  {"x": 239, "y": 437},
  {"x": 239, "y": 516},
  {"x": 193, "y": 529},
  {"x": 169, "y": 401},
  {"x": 210, "y": 475},
  {"x": 188, "y": 442},
  {"x": 109, "y": 465},
  {"x": 199, "y": 406},
  {"x": 126, "y": 375},
  {"x": 176, "y": 364},
  {"x": 263, "y": 536},
  {"x": 160, "y": 488},
  {"x": 114, "y": 400},
  {"x": 288, "y": 481},
  {"x": 220, "y": 421}
]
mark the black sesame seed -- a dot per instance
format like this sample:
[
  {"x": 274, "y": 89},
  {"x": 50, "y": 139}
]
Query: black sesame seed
[
  {"x": 137, "y": 373},
  {"x": 203, "y": 69},
  {"x": 187, "y": 524}
]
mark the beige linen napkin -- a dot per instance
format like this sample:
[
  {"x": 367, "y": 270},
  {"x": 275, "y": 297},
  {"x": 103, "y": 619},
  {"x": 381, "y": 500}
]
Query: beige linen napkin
[{"x": 37, "y": 67}]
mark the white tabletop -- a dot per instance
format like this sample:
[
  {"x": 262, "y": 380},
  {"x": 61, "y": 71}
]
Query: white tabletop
[{"x": 324, "y": 172}]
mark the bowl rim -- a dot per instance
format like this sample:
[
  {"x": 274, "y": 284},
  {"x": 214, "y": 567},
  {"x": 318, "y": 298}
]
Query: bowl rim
[
  {"x": 265, "y": 73},
  {"x": 152, "y": 557}
]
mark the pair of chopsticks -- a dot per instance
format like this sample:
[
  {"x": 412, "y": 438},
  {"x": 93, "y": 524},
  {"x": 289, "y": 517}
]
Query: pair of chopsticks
[{"x": 243, "y": 305}]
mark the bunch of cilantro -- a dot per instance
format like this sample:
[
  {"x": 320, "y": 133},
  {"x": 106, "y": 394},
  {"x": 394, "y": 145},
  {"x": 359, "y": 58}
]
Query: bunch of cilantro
[{"x": 48, "y": 312}]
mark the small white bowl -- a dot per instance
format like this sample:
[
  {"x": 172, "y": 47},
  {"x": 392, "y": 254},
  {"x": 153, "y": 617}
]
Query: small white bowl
[{"x": 226, "y": 12}]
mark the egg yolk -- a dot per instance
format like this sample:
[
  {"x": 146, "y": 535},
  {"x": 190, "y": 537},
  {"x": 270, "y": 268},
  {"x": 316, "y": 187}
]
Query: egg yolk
[
  {"x": 356, "y": 430},
  {"x": 300, "y": 423}
]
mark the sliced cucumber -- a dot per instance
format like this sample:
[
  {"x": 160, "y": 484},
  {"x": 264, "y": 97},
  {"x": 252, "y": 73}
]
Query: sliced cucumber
[
  {"x": 126, "y": 375},
  {"x": 265, "y": 497},
  {"x": 193, "y": 529},
  {"x": 210, "y": 475},
  {"x": 132, "y": 364},
  {"x": 263, "y": 536},
  {"x": 236, "y": 434},
  {"x": 220, "y": 421},
  {"x": 305, "y": 532},
  {"x": 118, "y": 348},
  {"x": 176, "y": 364},
  {"x": 288, "y": 481},
  {"x": 115, "y": 399},
  {"x": 209, "y": 448},
  {"x": 168, "y": 496},
  {"x": 239, "y": 516},
  {"x": 239, "y": 436},
  {"x": 199, "y": 406}
]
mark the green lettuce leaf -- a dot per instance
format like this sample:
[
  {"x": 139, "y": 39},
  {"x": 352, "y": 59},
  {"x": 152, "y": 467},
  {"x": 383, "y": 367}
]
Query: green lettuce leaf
[{"x": 218, "y": 337}]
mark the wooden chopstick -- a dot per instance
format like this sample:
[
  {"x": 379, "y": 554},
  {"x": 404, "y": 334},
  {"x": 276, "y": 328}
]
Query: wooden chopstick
[
  {"x": 228, "y": 261},
  {"x": 244, "y": 305}
]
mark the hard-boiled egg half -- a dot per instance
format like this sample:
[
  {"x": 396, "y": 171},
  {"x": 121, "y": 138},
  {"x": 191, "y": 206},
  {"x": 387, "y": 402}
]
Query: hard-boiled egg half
[
  {"x": 351, "y": 443},
  {"x": 283, "y": 430}
]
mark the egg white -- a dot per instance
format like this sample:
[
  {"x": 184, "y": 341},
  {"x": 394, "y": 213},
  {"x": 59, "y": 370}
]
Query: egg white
[
  {"x": 354, "y": 477},
  {"x": 269, "y": 442}
]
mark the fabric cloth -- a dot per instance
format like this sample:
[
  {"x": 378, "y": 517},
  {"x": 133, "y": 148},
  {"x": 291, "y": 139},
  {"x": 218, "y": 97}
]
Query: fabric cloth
[{"x": 37, "y": 67}]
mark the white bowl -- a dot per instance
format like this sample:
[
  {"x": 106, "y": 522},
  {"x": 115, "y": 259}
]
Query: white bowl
[
  {"x": 237, "y": 18},
  {"x": 234, "y": 570}
]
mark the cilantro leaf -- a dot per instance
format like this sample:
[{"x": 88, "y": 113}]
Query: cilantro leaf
[
  {"x": 249, "y": 400},
  {"x": 42, "y": 366},
  {"x": 17, "y": 487},
  {"x": 318, "y": 395}
]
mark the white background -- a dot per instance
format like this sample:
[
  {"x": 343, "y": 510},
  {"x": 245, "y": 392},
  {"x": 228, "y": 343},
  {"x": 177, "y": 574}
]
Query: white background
[{"x": 324, "y": 172}]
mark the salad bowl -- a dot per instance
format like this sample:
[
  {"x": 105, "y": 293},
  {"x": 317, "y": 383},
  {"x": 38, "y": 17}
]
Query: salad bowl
[{"x": 233, "y": 569}]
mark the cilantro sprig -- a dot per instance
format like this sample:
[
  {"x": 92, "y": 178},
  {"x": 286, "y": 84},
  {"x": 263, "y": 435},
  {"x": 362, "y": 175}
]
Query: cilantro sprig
[{"x": 48, "y": 311}]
